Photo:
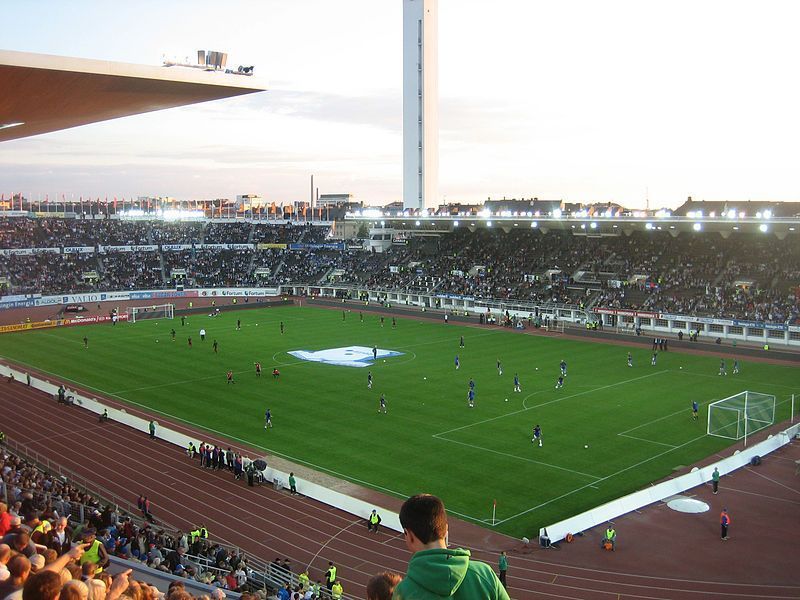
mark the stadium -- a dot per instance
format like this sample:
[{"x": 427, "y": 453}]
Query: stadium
[{"x": 209, "y": 385}]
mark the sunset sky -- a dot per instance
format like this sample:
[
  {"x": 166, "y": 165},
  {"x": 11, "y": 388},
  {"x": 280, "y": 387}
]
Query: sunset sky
[{"x": 580, "y": 100}]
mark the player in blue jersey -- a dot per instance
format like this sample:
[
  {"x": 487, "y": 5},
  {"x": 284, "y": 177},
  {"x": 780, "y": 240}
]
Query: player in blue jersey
[
  {"x": 560, "y": 382},
  {"x": 471, "y": 383},
  {"x": 471, "y": 398},
  {"x": 369, "y": 380},
  {"x": 382, "y": 405},
  {"x": 736, "y": 367},
  {"x": 563, "y": 366},
  {"x": 517, "y": 387},
  {"x": 374, "y": 353},
  {"x": 630, "y": 360},
  {"x": 458, "y": 364},
  {"x": 694, "y": 410},
  {"x": 653, "y": 360},
  {"x": 537, "y": 436},
  {"x": 722, "y": 370},
  {"x": 267, "y": 419}
]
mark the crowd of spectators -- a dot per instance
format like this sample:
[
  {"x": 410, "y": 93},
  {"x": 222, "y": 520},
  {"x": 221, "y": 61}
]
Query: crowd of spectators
[
  {"x": 131, "y": 270},
  {"x": 41, "y": 531},
  {"x": 744, "y": 276}
]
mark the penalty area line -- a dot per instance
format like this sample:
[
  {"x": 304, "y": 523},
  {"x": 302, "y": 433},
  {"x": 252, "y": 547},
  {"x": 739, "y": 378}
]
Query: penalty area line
[
  {"x": 506, "y": 454},
  {"x": 607, "y": 477}
]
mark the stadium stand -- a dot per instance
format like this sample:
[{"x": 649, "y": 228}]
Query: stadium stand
[{"x": 739, "y": 277}]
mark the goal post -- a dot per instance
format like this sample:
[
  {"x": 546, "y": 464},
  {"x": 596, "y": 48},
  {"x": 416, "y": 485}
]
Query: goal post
[
  {"x": 156, "y": 311},
  {"x": 741, "y": 415}
]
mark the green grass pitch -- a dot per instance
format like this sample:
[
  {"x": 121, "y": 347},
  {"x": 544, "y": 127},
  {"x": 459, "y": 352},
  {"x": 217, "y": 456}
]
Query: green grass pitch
[{"x": 636, "y": 421}]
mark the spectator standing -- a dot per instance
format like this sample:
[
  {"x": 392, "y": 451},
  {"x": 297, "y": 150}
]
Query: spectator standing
[
  {"x": 502, "y": 566},
  {"x": 724, "y": 522},
  {"x": 292, "y": 484},
  {"x": 435, "y": 571},
  {"x": 330, "y": 576},
  {"x": 152, "y": 427}
]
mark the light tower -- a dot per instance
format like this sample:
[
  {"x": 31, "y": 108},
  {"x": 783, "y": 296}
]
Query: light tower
[{"x": 420, "y": 104}]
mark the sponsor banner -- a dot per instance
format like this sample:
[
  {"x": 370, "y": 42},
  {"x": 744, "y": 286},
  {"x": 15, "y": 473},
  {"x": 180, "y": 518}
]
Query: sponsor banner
[
  {"x": 78, "y": 249},
  {"x": 264, "y": 246},
  {"x": 240, "y": 292},
  {"x": 759, "y": 325},
  {"x": 627, "y": 313},
  {"x": 74, "y": 308},
  {"x": 27, "y": 326},
  {"x": 172, "y": 247},
  {"x": 141, "y": 295},
  {"x": 213, "y": 246},
  {"x": 143, "y": 248},
  {"x": 331, "y": 246},
  {"x": 240, "y": 246},
  {"x": 455, "y": 297},
  {"x": 114, "y": 248},
  {"x": 394, "y": 269},
  {"x": 53, "y": 215},
  {"x": 29, "y": 251},
  {"x": 16, "y": 303},
  {"x": 92, "y": 320}
]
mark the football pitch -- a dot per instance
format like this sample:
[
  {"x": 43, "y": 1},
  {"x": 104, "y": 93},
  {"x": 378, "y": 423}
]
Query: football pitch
[{"x": 636, "y": 421}]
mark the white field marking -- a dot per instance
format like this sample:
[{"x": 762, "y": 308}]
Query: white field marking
[
  {"x": 224, "y": 434},
  {"x": 677, "y": 412},
  {"x": 171, "y": 383},
  {"x": 736, "y": 378},
  {"x": 604, "y": 387},
  {"x": 633, "y": 437},
  {"x": 598, "y": 481},
  {"x": 530, "y": 460}
]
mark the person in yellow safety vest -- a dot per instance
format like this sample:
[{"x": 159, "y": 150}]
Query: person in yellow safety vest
[
  {"x": 373, "y": 521},
  {"x": 2, "y": 437},
  {"x": 302, "y": 579},
  {"x": 336, "y": 591},
  {"x": 203, "y": 532},
  {"x": 330, "y": 575},
  {"x": 316, "y": 589},
  {"x": 95, "y": 551},
  {"x": 610, "y": 537},
  {"x": 39, "y": 534},
  {"x": 194, "y": 534}
]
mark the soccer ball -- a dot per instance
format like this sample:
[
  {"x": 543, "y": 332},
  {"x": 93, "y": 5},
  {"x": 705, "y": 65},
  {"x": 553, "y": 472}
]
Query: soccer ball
[
  {"x": 537, "y": 368},
  {"x": 586, "y": 445},
  {"x": 680, "y": 367},
  {"x": 256, "y": 324},
  {"x": 506, "y": 399},
  {"x": 156, "y": 341},
  {"x": 384, "y": 360},
  {"x": 423, "y": 377}
]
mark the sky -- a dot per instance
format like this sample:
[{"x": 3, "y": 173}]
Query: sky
[{"x": 585, "y": 101}]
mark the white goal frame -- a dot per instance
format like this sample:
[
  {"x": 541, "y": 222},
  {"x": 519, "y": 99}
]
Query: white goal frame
[
  {"x": 156, "y": 311},
  {"x": 740, "y": 404},
  {"x": 557, "y": 328}
]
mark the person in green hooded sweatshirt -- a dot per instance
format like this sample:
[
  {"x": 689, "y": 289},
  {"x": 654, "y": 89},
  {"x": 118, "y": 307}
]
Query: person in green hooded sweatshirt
[{"x": 435, "y": 571}]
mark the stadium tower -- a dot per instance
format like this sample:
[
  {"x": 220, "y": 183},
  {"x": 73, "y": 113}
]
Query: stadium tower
[{"x": 420, "y": 104}]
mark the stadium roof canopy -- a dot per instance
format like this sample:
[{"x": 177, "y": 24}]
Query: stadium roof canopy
[{"x": 44, "y": 93}]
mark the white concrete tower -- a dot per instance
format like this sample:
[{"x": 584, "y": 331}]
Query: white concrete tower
[{"x": 420, "y": 104}]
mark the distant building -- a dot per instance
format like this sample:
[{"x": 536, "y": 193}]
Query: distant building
[{"x": 335, "y": 200}]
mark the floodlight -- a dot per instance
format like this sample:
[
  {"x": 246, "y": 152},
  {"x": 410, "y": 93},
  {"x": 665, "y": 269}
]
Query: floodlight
[
  {"x": 557, "y": 213},
  {"x": 732, "y": 213},
  {"x": 593, "y": 225},
  {"x": 768, "y": 214},
  {"x": 534, "y": 224},
  {"x": 697, "y": 226},
  {"x": 455, "y": 223},
  {"x": 763, "y": 228},
  {"x": 648, "y": 226},
  {"x": 488, "y": 223},
  {"x": 417, "y": 223}
]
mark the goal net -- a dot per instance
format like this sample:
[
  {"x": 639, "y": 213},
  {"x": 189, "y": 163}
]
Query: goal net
[
  {"x": 741, "y": 415},
  {"x": 159, "y": 311}
]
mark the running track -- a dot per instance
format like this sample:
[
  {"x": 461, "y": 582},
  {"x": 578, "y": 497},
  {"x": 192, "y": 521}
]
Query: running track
[{"x": 655, "y": 560}]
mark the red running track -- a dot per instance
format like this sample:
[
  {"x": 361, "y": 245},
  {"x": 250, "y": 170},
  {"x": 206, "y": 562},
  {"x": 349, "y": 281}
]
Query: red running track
[{"x": 654, "y": 561}]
